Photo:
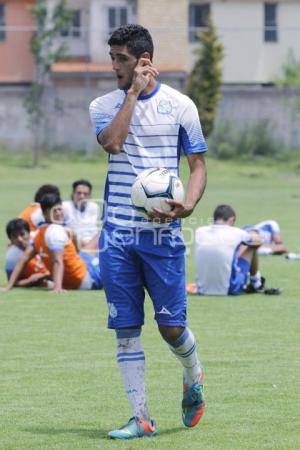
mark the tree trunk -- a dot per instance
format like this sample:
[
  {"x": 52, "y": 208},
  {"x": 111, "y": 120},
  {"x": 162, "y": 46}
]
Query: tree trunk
[{"x": 36, "y": 144}]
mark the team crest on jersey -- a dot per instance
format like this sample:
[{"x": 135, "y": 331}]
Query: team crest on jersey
[
  {"x": 105, "y": 117},
  {"x": 164, "y": 107},
  {"x": 112, "y": 310}
]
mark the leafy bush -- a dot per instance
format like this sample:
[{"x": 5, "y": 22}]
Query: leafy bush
[
  {"x": 290, "y": 73},
  {"x": 290, "y": 78},
  {"x": 253, "y": 141}
]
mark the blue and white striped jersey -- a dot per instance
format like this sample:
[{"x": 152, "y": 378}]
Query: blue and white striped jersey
[
  {"x": 164, "y": 123},
  {"x": 266, "y": 230}
]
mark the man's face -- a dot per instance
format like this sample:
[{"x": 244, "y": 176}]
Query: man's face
[
  {"x": 81, "y": 195},
  {"x": 55, "y": 214},
  {"x": 21, "y": 239},
  {"x": 123, "y": 64}
]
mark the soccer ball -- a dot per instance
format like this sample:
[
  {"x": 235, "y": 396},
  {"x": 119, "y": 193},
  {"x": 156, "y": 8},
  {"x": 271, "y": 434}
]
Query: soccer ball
[{"x": 153, "y": 186}]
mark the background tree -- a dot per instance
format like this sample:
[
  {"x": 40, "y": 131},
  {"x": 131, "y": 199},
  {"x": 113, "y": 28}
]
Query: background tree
[
  {"x": 46, "y": 50},
  {"x": 204, "y": 82},
  {"x": 290, "y": 78}
]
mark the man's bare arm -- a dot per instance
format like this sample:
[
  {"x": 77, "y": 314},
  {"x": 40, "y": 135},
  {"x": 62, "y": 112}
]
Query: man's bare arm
[
  {"x": 195, "y": 189},
  {"x": 277, "y": 246},
  {"x": 197, "y": 180},
  {"x": 26, "y": 256},
  {"x": 33, "y": 279},
  {"x": 58, "y": 272},
  {"x": 113, "y": 137}
]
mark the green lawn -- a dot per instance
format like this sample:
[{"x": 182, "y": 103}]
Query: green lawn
[{"x": 59, "y": 383}]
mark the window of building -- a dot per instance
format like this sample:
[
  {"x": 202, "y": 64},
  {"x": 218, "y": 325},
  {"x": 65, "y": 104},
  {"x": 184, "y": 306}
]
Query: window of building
[
  {"x": 2, "y": 22},
  {"x": 75, "y": 28},
  {"x": 198, "y": 18},
  {"x": 117, "y": 17},
  {"x": 270, "y": 24}
]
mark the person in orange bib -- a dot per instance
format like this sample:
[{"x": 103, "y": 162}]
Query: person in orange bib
[
  {"x": 34, "y": 271},
  {"x": 68, "y": 269},
  {"x": 33, "y": 213}
]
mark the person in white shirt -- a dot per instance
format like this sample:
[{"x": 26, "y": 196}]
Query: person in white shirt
[
  {"x": 225, "y": 255},
  {"x": 82, "y": 215}
]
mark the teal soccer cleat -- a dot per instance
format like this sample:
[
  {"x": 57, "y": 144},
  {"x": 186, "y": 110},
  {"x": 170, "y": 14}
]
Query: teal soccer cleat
[
  {"x": 135, "y": 428},
  {"x": 193, "y": 404}
]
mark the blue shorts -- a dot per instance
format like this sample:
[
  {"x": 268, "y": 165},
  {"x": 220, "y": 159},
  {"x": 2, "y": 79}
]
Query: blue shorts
[
  {"x": 239, "y": 276},
  {"x": 92, "y": 265},
  {"x": 133, "y": 260}
]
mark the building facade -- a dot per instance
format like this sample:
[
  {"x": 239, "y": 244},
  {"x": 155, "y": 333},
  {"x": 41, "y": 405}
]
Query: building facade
[
  {"x": 16, "y": 25},
  {"x": 257, "y": 35}
]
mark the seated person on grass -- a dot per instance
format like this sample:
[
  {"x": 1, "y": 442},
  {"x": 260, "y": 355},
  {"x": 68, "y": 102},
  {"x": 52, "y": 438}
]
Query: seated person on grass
[
  {"x": 33, "y": 213},
  {"x": 34, "y": 272},
  {"x": 82, "y": 215},
  {"x": 269, "y": 232},
  {"x": 68, "y": 269},
  {"x": 225, "y": 256}
]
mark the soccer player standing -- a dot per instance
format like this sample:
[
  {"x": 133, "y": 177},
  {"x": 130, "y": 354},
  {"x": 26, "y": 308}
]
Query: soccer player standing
[{"x": 140, "y": 125}]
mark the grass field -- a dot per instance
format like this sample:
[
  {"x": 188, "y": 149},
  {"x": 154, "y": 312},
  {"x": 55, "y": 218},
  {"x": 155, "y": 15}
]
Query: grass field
[{"x": 59, "y": 383}]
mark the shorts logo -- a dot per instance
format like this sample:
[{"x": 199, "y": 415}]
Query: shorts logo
[
  {"x": 164, "y": 311},
  {"x": 112, "y": 310},
  {"x": 164, "y": 107}
]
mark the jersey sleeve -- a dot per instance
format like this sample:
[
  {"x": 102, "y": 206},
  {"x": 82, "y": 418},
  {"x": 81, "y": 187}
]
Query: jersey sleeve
[
  {"x": 38, "y": 218},
  {"x": 275, "y": 227},
  {"x": 56, "y": 238},
  {"x": 101, "y": 114},
  {"x": 190, "y": 131},
  {"x": 12, "y": 256},
  {"x": 269, "y": 226}
]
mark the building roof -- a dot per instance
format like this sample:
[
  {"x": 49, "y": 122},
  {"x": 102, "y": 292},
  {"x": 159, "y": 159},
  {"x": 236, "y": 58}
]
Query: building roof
[{"x": 72, "y": 67}]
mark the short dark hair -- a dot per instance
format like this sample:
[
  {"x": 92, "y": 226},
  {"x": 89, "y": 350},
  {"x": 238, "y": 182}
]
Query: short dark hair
[
  {"x": 15, "y": 226},
  {"x": 223, "y": 212},
  {"x": 136, "y": 38},
  {"x": 49, "y": 200},
  {"x": 83, "y": 182},
  {"x": 45, "y": 189}
]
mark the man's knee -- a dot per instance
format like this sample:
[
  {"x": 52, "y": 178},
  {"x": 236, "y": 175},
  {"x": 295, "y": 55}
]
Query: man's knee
[
  {"x": 247, "y": 253},
  {"x": 170, "y": 333}
]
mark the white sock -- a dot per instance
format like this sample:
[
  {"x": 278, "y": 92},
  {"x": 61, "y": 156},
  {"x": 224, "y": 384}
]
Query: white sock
[
  {"x": 184, "y": 349},
  {"x": 256, "y": 280},
  {"x": 131, "y": 362}
]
